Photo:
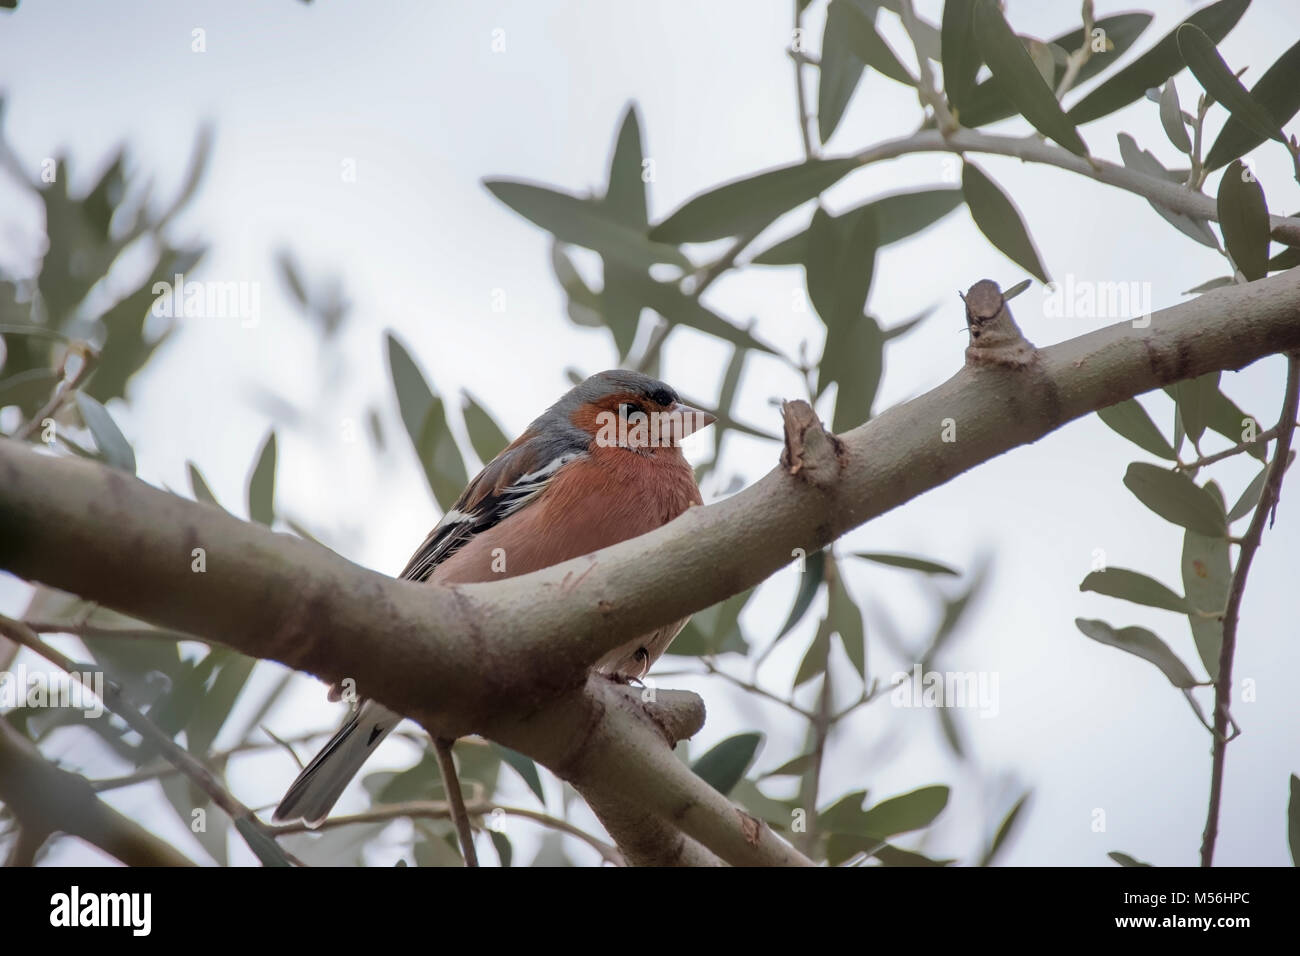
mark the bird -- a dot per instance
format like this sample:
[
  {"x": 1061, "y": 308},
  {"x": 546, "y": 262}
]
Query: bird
[{"x": 601, "y": 465}]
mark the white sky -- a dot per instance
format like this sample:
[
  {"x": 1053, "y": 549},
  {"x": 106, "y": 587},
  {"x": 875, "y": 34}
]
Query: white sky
[{"x": 414, "y": 94}]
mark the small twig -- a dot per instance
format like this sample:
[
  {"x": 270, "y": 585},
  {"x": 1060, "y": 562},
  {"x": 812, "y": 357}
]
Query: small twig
[
  {"x": 67, "y": 385},
  {"x": 441, "y": 810},
  {"x": 1268, "y": 498},
  {"x": 1265, "y": 436},
  {"x": 800, "y": 93},
  {"x": 1080, "y": 56},
  {"x": 114, "y": 700},
  {"x": 927, "y": 90},
  {"x": 753, "y": 688},
  {"x": 456, "y": 801}
]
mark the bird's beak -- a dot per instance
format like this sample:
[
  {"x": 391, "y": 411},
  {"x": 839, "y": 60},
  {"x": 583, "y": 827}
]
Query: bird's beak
[{"x": 687, "y": 420}]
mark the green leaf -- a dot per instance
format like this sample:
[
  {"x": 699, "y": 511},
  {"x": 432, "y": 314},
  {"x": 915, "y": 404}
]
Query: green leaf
[
  {"x": 905, "y": 561},
  {"x": 625, "y": 196},
  {"x": 1293, "y": 821},
  {"x": 198, "y": 487},
  {"x": 841, "y": 260},
  {"x": 1004, "y": 831},
  {"x": 1175, "y": 497},
  {"x": 854, "y": 357},
  {"x": 810, "y": 582},
  {"x": 997, "y": 217},
  {"x": 867, "y": 44},
  {"x": 444, "y": 468},
  {"x": 1207, "y": 576},
  {"x": 1207, "y": 66},
  {"x": 988, "y": 104},
  {"x": 1155, "y": 66},
  {"x": 1123, "y": 859},
  {"x": 484, "y": 433},
  {"x": 814, "y": 659},
  {"x": 1131, "y": 420},
  {"x": 413, "y": 394},
  {"x": 1142, "y": 643},
  {"x": 906, "y": 812},
  {"x": 1278, "y": 92},
  {"x": 897, "y": 217},
  {"x": 839, "y": 71},
  {"x": 1195, "y": 397},
  {"x": 1288, "y": 258},
  {"x": 1243, "y": 218},
  {"x": 959, "y": 52},
  {"x": 261, "y": 484},
  {"x": 724, "y": 765},
  {"x": 895, "y": 856},
  {"x": 233, "y": 671},
  {"x": 680, "y": 309},
  {"x": 583, "y": 222},
  {"x": 715, "y": 630},
  {"x": 1133, "y": 586},
  {"x": 112, "y": 445},
  {"x": 1171, "y": 117},
  {"x": 1250, "y": 497},
  {"x": 1140, "y": 160},
  {"x": 746, "y": 206},
  {"x": 795, "y": 767},
  {"x": 844, "y": 814},
  {"x": 846, "y": 620},
  {"x": 1223, "y": 415},
  {"x": 525, "y": 767},
  {"x": 1019, "y": 79}
]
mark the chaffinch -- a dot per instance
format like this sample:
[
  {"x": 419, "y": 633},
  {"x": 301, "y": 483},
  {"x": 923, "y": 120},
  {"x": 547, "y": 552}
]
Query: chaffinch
[{"x": 599, "y": 466}]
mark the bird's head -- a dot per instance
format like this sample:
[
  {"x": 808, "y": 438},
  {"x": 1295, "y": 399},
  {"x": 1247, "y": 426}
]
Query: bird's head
[{"x": 626, "y": 409}]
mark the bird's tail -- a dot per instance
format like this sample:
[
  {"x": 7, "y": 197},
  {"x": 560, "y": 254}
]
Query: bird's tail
[{"x": 323, "y": 781}]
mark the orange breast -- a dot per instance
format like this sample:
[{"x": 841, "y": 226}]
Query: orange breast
[{"x": 613, "y": 495}]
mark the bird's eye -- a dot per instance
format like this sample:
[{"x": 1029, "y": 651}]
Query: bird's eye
[{"x": 662, "y": 397}]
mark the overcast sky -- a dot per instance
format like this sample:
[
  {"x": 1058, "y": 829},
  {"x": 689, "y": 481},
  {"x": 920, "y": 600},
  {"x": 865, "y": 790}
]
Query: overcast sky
[{"x": 414, "y": 96}]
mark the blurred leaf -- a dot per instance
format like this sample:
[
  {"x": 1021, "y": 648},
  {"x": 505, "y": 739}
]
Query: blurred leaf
[
  {"x": 746, "y": 206},
  {"x": 854, "y": 357},
  {"x": 485, "y": 435},
  {"x": 1243, "y": 218},
  {"x": 292, "y": 277},
  {"x": 868, "y": 46},
  {"x": 960, "y": 53},
  {"x": 1019, "y": 79},
  {"x": 715, "y": 630},
  {"x": 841, "y": 260},
  {"x": 724, "y": 765},
  {"x": 810, "y": 582},
  {"x": 1171, "y": 118},
  {"x": 844, "y": 814},
  {"x": 1139, "y": 160},
  {"x": 905, "y": 561},
  {"x": 1155, "y": 66},
  {"x": 839, "y": 69},
  {"x": 1208, "y": 67},
  {"x": 625, "y": 197},
  {"x": 1207, "y": 577},
  {"x": 501, "y": 843},
  {"x": 1131, "y": 420},
  {"x": 909, "y": 811},
  {"x": 814, "y": 659},
  {"x": 218, "y": 701},
  {"x": 1004, "y": 831},
  {"x": 1142, "y": 643},
  {"x": 109, "y": 440},
  {"x": 1288, "y": 258},
  {"x": 846, "y": 621},
  {"x": 1278, "y": 92},
  {"x": 1250, "y": 497},
  {"x": 896, "y": 856},
  {"x": 1195, "y": 397},
  {"x": 795, "y": 767},
  {"x": 261, "y": 484},
  {"x": 1133, "y": 586},
  {"x": 1293, "y": 820},
  {"x": 184, "y": 797},
  {"x": 525, "y": 767},
  {"x": 988, "y": 104},
  {"x": 776, "y": 813},
  {"x": 583, "y": 222},
  {"x": 1175, "y": 497},
  {"x": 443, "y": 466},
  {"x": 897, "y": 217},
  {"x": 1123, "y": 859},
  {"x": 29, "y": 389},
  {"x": 1224, "y": 417},
  {"x": 1216, "y": 283},
  {"x": 198, "y": 487},
  {"x": 669, "y": 301},
  {"x": 263, "y": 847},
  {"x": 618, "y": 304},
  {"x": 997, "y": 217}
]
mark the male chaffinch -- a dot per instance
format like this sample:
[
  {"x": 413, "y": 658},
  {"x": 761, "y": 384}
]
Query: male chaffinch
[{"x": 599, "y": 466}]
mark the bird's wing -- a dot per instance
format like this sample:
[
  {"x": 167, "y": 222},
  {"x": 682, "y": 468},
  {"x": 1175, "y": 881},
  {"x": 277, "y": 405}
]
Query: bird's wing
[{"x": 508, "y": 483}]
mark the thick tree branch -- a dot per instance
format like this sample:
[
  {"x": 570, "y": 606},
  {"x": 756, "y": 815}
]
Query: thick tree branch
[{"x": 507, "y": 658}]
